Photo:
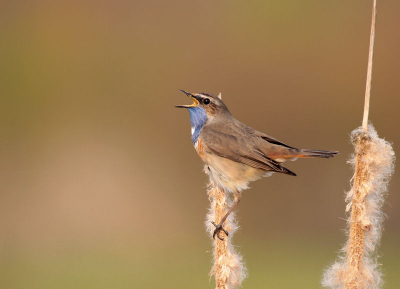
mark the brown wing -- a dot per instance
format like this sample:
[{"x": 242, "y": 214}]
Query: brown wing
[
  {"x": 237, "y": 143},
  {"x": 271, "y": 140},
  {"x": 275, "y": 149},
  {"x": 278, "y": 150}
]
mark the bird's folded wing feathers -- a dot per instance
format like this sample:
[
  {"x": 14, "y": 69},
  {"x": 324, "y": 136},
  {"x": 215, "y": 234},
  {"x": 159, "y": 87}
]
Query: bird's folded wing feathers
[
  {"x": 270, "y": 139},
  {"x": 239, "y": 146}
]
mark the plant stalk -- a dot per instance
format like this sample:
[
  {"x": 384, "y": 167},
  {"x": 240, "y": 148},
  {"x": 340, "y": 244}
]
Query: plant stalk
[{"x": 369, "y": 72}]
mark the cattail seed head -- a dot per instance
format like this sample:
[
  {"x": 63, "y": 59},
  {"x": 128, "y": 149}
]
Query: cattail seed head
[
  {"x": 228, "y": 269},
  {"x": 373, "y": 161}
]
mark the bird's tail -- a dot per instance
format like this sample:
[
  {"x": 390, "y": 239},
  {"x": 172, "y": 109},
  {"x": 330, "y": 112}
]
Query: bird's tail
[{"x": 304, "y": 153}]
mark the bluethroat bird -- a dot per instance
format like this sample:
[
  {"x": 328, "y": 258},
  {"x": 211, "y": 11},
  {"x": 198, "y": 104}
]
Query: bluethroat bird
[{"x": 234, "y": 153}]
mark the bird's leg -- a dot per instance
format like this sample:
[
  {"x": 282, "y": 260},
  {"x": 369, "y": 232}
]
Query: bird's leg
[{"x": 219, "y": 227}]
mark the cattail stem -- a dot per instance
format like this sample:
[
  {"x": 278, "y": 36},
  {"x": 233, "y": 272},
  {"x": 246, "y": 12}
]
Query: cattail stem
[
  {"x": 356, "y": 244},
  {"x": 369, "y": 72},
  {"x": 374, "y": 164},
  {"x": 228, "y": 269}
]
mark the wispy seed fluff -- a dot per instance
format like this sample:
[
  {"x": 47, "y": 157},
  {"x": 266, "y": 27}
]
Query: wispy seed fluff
[
  {"x": 228, "y": 269},
  {"x": 373, "y": 161}
]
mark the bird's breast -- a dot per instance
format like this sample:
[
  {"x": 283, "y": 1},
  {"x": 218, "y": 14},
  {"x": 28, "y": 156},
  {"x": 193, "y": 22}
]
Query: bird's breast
[{"x": 199, "y": 146}]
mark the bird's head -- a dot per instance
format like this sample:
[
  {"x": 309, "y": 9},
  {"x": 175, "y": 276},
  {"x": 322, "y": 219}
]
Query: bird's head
[
  {"x": 205, "y": 108},
  {"x": 206, "y": 103}
]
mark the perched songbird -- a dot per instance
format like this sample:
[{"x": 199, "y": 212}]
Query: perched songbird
[{"x": 234, "y": 153}]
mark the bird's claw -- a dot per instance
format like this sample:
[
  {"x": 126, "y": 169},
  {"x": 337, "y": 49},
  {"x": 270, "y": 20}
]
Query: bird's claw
[{"x": 218, "y": 229}]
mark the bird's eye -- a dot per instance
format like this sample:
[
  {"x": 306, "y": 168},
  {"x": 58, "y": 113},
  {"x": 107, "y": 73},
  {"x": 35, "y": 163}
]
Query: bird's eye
[{"x": 206, "y": 101}]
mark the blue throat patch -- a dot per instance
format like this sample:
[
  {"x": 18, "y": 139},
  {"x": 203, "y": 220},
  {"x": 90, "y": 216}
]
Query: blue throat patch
[{"x": 198, "y": 118}]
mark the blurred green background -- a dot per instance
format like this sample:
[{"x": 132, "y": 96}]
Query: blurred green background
[{"x": 100, "y": 186}]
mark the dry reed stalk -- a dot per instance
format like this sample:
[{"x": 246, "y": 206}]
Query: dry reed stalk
[
  {"x": 374, "y": 165},
  {"x": 369, "y": 70},
  {"x": 228, "y": 269}
]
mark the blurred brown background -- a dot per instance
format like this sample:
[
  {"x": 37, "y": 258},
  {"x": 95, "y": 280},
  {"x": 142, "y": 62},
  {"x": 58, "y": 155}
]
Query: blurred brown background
[{"x": 100, "y": 186}]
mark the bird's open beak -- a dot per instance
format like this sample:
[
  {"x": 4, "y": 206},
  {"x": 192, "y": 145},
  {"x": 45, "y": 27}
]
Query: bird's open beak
[{"x": 195, "y": 101}]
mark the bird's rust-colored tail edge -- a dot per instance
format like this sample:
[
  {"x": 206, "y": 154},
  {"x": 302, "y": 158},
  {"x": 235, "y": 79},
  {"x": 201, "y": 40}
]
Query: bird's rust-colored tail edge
[{"x": 305, "y": 153}]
